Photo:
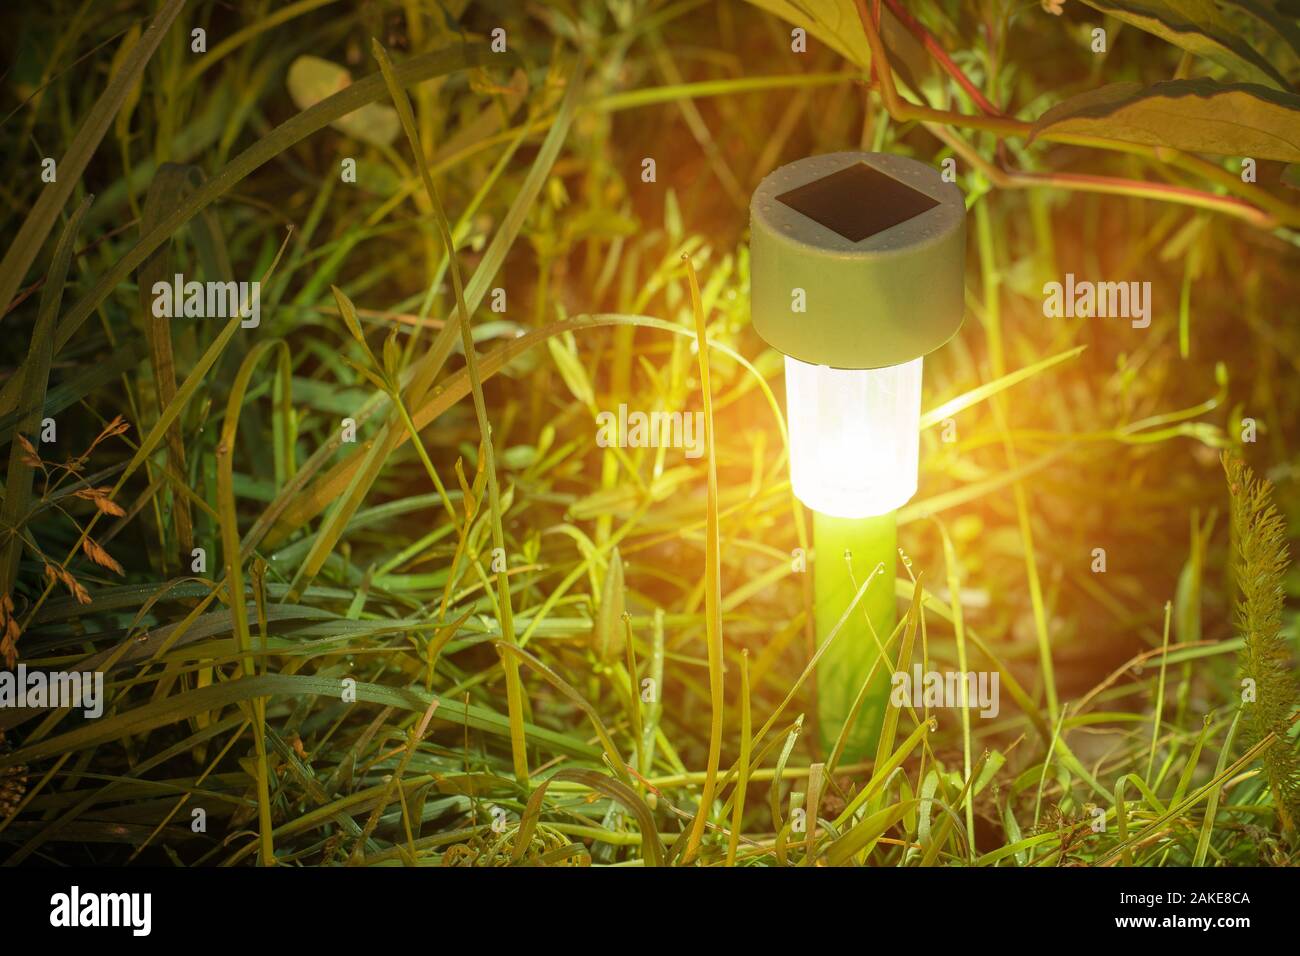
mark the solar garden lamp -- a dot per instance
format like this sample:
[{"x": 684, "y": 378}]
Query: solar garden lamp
[{"x": 856, "y": 272}]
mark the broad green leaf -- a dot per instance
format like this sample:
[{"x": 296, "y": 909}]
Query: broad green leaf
[
  {"x": 1287, "y": 30},
  {"x": 564, "y": 350},
  {"x": 834, "y": 22},
  {"x": 837, "y": 24},
  {"x": 1200, "y": 116},
  {"x": 992, "y": 765},
  {"x": 1198, "y": 27},
  {"x": 312, "y": 79},
  {"x": 608, "y": 634},
  {"x": 349, "y": 313}
]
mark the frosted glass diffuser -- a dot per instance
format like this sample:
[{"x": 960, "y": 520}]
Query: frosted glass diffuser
[{"x": 854, "y": 436}]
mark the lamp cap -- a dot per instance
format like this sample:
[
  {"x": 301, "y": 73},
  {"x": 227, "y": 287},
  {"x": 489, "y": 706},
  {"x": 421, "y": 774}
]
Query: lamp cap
[{"x": 857, "y": 259}]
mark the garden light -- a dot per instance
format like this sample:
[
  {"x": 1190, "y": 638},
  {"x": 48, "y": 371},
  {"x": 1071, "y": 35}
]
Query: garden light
[{"x": 856, "y": 273}]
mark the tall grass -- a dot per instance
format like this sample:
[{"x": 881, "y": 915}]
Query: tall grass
[{"x": 474, "y": 636}]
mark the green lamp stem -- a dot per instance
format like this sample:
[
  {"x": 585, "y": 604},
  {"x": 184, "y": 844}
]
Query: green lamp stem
[{"x": 847, "y": 663}]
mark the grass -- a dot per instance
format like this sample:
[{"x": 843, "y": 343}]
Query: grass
[{"x": 472, "y": 636}]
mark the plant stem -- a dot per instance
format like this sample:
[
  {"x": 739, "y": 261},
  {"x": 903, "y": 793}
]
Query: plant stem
[{"x": 849, "y": 550}]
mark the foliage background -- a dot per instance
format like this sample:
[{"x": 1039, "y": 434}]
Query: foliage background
[{"x": 1121, "y": 690}]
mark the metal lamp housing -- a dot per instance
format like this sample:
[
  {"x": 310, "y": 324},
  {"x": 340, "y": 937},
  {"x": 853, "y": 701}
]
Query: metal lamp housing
[{"x": 857, "y": 271}]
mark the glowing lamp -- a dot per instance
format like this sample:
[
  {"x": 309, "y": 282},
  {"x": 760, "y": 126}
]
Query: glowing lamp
[{"x": 856, "y": 272}]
